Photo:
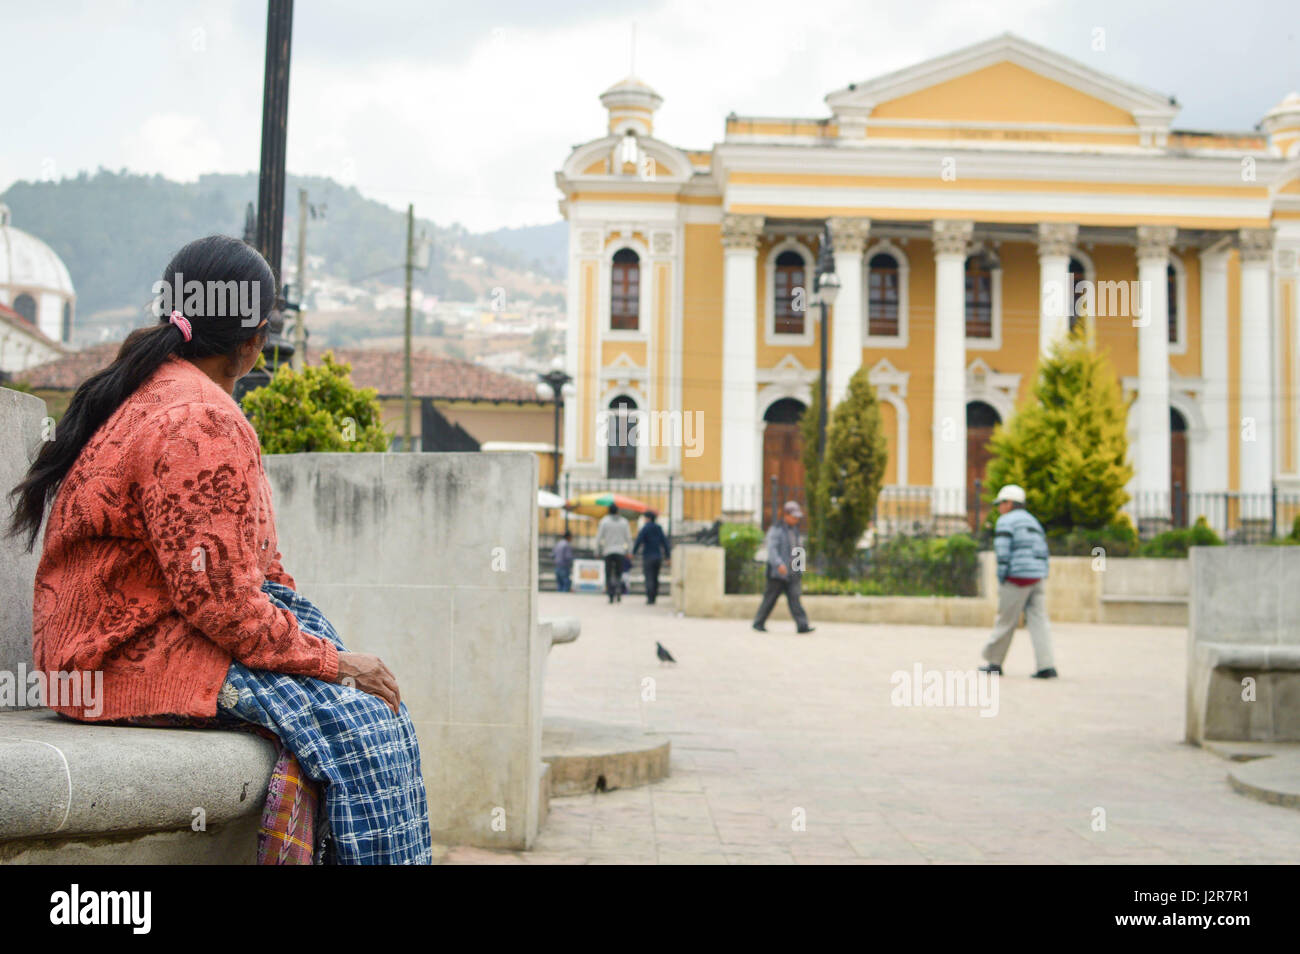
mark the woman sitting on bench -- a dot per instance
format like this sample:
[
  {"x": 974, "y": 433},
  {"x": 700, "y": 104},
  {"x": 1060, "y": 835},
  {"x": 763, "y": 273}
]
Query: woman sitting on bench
[{"x": 160, "y": 569}]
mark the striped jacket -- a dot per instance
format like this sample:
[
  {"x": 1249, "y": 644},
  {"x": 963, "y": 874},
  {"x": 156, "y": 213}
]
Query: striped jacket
[{"x": 1021, "y": 546}]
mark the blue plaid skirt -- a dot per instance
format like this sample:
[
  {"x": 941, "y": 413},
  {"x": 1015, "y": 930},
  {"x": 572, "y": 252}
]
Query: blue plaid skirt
[{"x": 367, "y": 758}]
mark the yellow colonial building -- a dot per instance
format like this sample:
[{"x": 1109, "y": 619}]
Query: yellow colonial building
[{"x": 979, "y": 205}]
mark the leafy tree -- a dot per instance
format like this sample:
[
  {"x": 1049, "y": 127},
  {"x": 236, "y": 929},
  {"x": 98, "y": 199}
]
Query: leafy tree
[
  {"x": 317, "y": 409},
  {"x": 848, "y": 481},
  {"x": 1068, "y": 445}
]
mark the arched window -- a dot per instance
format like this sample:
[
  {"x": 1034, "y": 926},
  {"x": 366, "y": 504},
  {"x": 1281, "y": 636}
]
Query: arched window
[
  {"x": 25, "y": 305},
  {"x": 979, "y": 297},
  {"x": 1078, "y": 274},
  {"x": 625, "y": 291},
  {"x": 791, "y": 300},
  {"x": 621, "y": 439},
  {"x": 1171, "y": 279},
  {"x": 882, "y": 295},
  {"x": 67, "y": 323}
]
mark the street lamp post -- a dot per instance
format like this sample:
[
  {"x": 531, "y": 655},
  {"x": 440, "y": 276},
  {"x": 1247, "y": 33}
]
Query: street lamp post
[
  {"x": 556, "y": 379},
  {"x": 828, "y": 286}
]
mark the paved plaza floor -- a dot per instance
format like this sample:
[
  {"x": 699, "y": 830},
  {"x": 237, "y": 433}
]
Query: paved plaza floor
[{"x": 788, "y": 749}]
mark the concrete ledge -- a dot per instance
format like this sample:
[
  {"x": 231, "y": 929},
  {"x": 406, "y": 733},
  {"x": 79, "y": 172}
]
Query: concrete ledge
[
  {"x": 590, "y": 757},
  {"x": 1249, "y": 657},
  {"x": 564, "y": 629},
  {"x": 60, "y": 779},
  {"x": 1274, "y": 780}
]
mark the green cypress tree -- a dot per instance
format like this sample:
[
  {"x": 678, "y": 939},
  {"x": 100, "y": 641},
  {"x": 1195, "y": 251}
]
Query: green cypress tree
[
  {"x": 849, "y": 479},
  {"x": 1067, "y": 446}
]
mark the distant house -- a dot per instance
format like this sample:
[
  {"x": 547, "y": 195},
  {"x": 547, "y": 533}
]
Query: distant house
[
  {"x": 23, "y": 344},
  {"x": 456, "y": 405}
]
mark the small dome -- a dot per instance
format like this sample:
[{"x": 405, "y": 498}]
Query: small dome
[
  {"x": 632, "y": 105},
  {"x": 28, "y": 263}
]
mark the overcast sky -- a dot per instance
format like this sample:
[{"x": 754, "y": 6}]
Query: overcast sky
[{"x": 468, "y": 108}]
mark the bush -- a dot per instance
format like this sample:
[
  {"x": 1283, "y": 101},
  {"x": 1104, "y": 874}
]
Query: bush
[
  {"x": 1175, "y": 543},
  {"x": 1118, "y": 538},
  {"x": 318, "y": 409},
  {"x": 910, "y": 566},
  {"x": 740, "y": 541}
]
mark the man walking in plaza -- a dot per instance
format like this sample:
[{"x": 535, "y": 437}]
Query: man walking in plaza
[
  {"x": 1021, "y": 548},
  {"x": 654, "y": 543},
  {"x": 563, "y": 556},
  {"x": 785, "y": 563},
  {"x": 613, "y": 541}
]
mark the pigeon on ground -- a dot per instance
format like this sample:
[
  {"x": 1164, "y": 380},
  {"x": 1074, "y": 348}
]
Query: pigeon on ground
[{"x": 664, "y": 655}]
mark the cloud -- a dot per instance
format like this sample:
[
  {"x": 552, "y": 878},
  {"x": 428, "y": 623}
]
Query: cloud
[{"x": 177, "y": 145}]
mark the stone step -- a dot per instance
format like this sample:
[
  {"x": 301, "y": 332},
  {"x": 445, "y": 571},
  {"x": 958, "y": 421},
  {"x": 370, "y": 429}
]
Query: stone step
[
  {"x": 1275, "y": 780},
  {"x": 595, "y": 757}
]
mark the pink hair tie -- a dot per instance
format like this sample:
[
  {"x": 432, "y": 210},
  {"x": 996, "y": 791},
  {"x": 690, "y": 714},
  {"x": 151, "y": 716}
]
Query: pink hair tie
[{"x": 183, "y": 323}]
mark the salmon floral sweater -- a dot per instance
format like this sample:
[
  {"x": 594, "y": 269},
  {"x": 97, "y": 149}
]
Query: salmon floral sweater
[{"x": 155, "y": 551}]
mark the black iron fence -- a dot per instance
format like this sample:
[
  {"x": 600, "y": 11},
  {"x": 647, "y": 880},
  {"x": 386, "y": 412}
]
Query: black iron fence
[{"x": 692, "y": 511}]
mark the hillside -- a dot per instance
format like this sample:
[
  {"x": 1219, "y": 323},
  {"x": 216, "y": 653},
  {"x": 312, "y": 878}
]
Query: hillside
[{"x": 117, "y": 230}]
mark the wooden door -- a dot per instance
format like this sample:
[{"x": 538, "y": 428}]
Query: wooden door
[
  {"x": 782, "y": 458},
  {"x": 978, "y": 456},
  {"x": 1178, "y": 477}
]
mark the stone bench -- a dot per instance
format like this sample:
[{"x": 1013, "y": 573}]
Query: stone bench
[
  {"x": 74, "y": 793},
  {"x": 397, "y": 551},
  {"x": 80, "y": 794},
  {"x": 1243, "y": 650}
]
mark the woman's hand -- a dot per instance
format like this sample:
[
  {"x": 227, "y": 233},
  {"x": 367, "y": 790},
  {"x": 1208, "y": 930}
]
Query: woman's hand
[{"x": 369, "y": 674}]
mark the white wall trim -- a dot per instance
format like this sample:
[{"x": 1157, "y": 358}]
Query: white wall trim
[
  {"x": 770, "y": 336},
  {"x": 994, "y": 343},
  {"x": 621, "y": 239},
  {"x": 1180, "y": 302},
  {"x": 885, "y": 246}
]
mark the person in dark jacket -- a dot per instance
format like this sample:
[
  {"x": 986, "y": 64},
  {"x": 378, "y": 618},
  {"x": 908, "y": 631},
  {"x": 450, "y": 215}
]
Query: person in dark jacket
[
  {"x": 563, "y": 556},
  {"x": 1021, "y": 548},
  {"x": 652, "y": 543},
  {"x": 785, "y": 562}
]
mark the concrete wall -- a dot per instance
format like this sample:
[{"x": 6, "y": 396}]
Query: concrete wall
[
  {"x": 1243, "y": 645},
  {"x": 429, "y": 561},
  {"x": 1152, "y": 592},
  {"x": 21, "y": 417}
]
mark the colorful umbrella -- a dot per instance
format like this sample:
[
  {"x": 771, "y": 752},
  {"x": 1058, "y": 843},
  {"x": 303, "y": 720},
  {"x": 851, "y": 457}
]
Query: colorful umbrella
[{"x": 596, "y": 504}]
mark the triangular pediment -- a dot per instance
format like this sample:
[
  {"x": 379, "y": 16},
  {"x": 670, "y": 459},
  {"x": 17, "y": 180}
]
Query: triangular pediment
[{"x": 1004, "y": 81}]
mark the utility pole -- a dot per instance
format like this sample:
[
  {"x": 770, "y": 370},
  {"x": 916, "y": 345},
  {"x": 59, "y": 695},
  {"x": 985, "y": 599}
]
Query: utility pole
[
  {"x": 299, "y": 359},
  {"x": 410, "y": 265}
]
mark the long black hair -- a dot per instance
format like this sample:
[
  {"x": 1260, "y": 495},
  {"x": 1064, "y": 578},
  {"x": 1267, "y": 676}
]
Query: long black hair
[{"x": 234, "y": 281}]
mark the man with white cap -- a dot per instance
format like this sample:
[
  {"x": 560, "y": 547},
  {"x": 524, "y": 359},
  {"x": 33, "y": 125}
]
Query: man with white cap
[
  {"x": 1021, "y": 548},
  {"x": 785, "y": 559}
]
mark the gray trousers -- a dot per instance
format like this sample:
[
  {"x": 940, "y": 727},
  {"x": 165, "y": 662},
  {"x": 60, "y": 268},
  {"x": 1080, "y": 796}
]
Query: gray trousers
[
  {"x": 1012, "y": 601},
  {"x": 791, "y": 586}
]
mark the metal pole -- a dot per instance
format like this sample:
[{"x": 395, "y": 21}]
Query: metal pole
[
  {"x": 821, "y": 394},
  {"x": 555, "y": 456},
  {"x": 275, "y": 121},
  {"x": 410, "y": 264},
  {"x": 566, "y": 499}
]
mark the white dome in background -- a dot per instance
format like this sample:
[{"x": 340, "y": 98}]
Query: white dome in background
[{"x": 34, "y": 281}]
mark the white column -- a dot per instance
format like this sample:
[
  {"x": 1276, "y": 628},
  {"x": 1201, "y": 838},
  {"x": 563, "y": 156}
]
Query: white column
[
  {"x": 1210, "y": 461},
  {"x": 948, "y": 440},
  {"x": 740, "y": 448},
  {"x": 849, "y": 238},
  {"x": 1055, "y": 239},
  {"x": 1256, "y": 426},
  {"x": 1152, "y": 452}
]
